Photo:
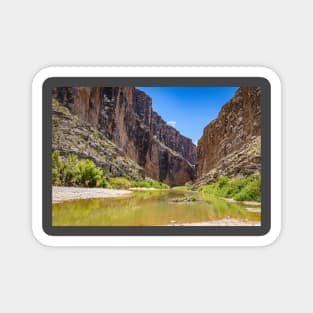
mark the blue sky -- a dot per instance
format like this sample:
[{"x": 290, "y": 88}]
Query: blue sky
[{"x": 189, "y": 109}]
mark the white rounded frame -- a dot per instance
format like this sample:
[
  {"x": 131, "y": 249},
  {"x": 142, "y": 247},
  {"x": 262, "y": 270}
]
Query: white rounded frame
[{"x": 148, "y": 241}]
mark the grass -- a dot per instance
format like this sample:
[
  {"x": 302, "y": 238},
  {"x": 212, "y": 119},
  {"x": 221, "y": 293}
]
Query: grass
[
  {"x": 183, "y": 188},
  {"x": 149, "y": 184},
  {"x": 237, "y": 188},
  {"x": 120, "y": 183},
  {"x": 59, "y": 107},
  {"x": 126, "y": 183}
]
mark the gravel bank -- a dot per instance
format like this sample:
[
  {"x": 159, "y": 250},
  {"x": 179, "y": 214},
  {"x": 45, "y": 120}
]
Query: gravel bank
[{"x": 61, "y": 194}]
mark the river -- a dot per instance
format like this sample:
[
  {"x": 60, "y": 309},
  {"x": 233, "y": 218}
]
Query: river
[{"x": 152, "y": 208}]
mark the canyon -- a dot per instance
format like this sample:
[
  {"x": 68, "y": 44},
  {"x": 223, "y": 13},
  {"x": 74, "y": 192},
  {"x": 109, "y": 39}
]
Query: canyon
[
  {"x": 231, "y": 144},
  {"x": 123, "y": 117},
  {"x": 118, "y": 129}
]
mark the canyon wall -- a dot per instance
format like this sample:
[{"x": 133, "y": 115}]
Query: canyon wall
[
  {"x": 72, "y": 135},
  {"x": 124, "y": 115},
  {"x": 231, "y": 144}
]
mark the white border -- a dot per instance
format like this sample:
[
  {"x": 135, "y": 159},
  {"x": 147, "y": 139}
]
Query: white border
[{"x": 45, "y": 239}]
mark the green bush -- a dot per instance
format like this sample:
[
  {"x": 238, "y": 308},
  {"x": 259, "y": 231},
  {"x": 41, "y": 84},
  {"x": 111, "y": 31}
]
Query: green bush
[
  {"x": 238, "y": 188},
  {"x": 74, "y": 172},
  {"x": 57, "y": 167},
  {"x": 149, "y": 184},
  {"x": 88, "y": 174},
  {"x": 125, "y": 183},
  {"x": 120, "y": 183},
  {"x": 223, "y": 181},
  {"x": 251, "y": 191},
  {"x": 70, "y": 170}
]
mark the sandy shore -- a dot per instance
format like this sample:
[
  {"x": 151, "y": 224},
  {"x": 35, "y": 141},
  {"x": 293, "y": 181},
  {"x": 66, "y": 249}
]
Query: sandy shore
[
  {"x": 222, "y": 222},
  {"x": 61, "y": 194},
  {"x": 243, "y": 202}
]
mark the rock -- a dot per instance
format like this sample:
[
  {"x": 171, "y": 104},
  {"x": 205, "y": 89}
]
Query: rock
[
  {"x": 231, "y": 144},
  {"x": 183, "y": 200},
  {"x": 106, "y": 154},
  {"x": 124, "y": 115}
]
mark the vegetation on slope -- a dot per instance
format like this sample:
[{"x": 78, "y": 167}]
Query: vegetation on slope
[
  {"x": 74, "y": 172},
  {"x": 72, "y": 135},
  {"x": 126, "y": 183},
  {"x": 237, "y": 188}
]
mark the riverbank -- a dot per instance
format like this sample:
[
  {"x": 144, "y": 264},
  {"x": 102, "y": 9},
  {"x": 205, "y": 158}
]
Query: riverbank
[
  {"x": 238, "y": 188},
  {"x": 120, "y": 207},
  {"x": 243, "y": 202},
  {"x": 61, "y": 194},
  {"x": 221, "y": 222},
  {"x": 146, "y": 189}
]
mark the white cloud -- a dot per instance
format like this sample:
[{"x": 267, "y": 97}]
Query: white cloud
[{"x": 171, "y": 123}]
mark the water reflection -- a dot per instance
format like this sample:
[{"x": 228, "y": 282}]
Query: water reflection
[{"x": 149, "y": 208}]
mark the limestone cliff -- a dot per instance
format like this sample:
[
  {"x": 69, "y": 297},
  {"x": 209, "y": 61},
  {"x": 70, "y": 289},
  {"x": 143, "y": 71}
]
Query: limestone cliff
[
  {"x": 124, "y": 115},
  {"x": 71, "y": 135},
  {"x": 231, "y": 144}
]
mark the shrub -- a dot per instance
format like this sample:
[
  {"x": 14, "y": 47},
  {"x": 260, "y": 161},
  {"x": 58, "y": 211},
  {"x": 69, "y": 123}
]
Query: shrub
[
  {"x": 104, "y": 183},
  {"x": 88, "y": 174},
  {"x": 223, "y": 180},
  {"x": 74, "y": 172},
  {"x": 149, "y": 184},
  {"x": 251, "y": 191},
  {"x": 120, "y": 183},
  {"x": 70, "y": 170},
  {"x": 57, "y": 167},
  {"x": 238, "y": 188}
]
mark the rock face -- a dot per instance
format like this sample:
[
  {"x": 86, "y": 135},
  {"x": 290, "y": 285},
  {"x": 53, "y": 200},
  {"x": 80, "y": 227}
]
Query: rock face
[
  {"x": 231, "y": 144},
  {"x": 73, "y": 135},
  {"x": 124, "y": 115}
]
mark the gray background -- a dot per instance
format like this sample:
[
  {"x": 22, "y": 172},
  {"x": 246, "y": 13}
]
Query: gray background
[{"x": 35, "y": 34}]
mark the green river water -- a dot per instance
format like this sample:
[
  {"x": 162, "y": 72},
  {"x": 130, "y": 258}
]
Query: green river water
[{"x": 150, "y": 208}]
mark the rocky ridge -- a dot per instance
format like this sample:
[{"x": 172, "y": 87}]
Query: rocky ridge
[
  {"x": 124, "y": 116},
  {"x": 231, "y": 144},
  {"x": 72, "y": 135}
]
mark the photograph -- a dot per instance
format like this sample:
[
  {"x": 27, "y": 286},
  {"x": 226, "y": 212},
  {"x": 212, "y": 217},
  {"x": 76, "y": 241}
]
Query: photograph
[{"x": 156, "y": 156}]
